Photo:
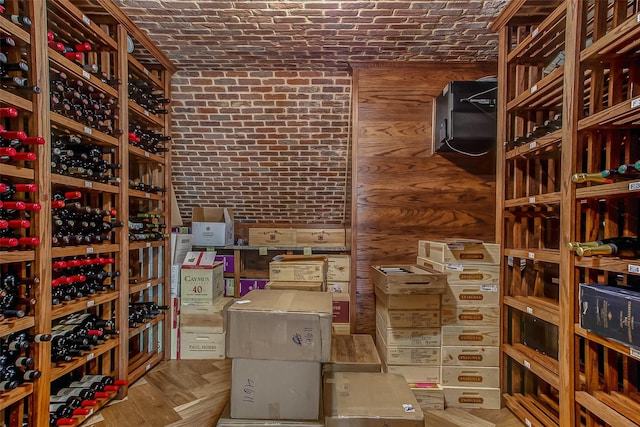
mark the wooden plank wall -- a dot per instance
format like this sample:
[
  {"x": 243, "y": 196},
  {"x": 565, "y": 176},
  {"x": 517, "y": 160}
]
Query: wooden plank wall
[{"x": 402, "y": 192}]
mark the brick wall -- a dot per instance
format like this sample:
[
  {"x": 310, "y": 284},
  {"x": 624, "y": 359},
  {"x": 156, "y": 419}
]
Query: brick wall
[{"x": 272, "y": 145}]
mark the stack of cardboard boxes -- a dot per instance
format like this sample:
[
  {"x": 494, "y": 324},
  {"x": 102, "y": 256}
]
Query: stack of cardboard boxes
[
  {"x": 470, "y": 319},
  {"x": 202, "y": 332},
  {"x": 278, "y": 340},
  {"x": 408, "y": 327}
]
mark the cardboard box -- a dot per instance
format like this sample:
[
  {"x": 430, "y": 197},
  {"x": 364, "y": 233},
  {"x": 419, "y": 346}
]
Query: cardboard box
[
  {"x": 394, "y": 355},
  {"x": 201, "y": 279},
  {"x": 248, "y": 285},
  {"x": 212, "y": 226},
  {"x": 471, "y": 376},
  {"x": 311, "y": 270},
  {"x": 320, "y": 237},
  {"x": 353, "y": 353},
  {"x": 408, "y": 302},
  {"x": 227, "y": 262},
  {"x": 408, "y": 280},
  {"x": 408, "y": 318},
  {"x": 484, "y": 336},
  {"x": 225, "y": 420},
  {"x": 281, "y": 325},
  {"x": 275, "y": 389},
  {"x": 205, "y": 318},
  {"x": 430, "y": 396},
  {"x": 472, "y": 295},
  {"x": 180, "y": 245},
  {"x": 272, "y": 236},
  {"x": 201, "y": 345},
  {"x": 472, "y": 398},
  {"x": 300, "y": 286},
  {"x": 462, "y": 274},
  {"x": 339, "y": 268},
  {"x": 466, "y": 315},
  {"x": 470, "y": 356},
  {"x": 370, "y": 399},
  {"x": 414, "y": 373},
  {"x": 459, "y": 251},
  {"x": 611, "y": 312},
  {"x": 340, "y": 287}
]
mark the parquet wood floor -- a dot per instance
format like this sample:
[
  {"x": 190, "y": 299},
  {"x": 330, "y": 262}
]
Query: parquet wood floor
[{"x": 192, "y": 393}]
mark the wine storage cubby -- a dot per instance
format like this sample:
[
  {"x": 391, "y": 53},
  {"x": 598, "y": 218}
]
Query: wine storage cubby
[
  {"x": 568, "y": 206},
  {"x": 73, "y": 188}
]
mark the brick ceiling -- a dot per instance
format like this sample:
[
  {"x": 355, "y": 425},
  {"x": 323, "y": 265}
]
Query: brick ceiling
[{"x": 315, "y": 34}]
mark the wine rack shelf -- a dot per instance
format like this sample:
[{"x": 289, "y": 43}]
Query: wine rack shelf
[
  {"x": 79, "y": 89},
  {"x": 568, "y": 115}
]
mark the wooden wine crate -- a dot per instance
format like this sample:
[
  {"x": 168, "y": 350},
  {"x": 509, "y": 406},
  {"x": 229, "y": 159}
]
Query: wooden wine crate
[
  {"x": 408, "y": 280},
  {"x": 300, "y": 286},
  {"x": 462, "y": 274},
  {"x": 466, "y": 315},
  {"x": 471, "y": 397},
  {"x": 470, "y": 356},
  {"x": 408, "y": 337},
  {"x": 471, "y": 376},
  {"x": 407, "y": 355},
  {"x": 320, "y": 237},
  {"x": 408, "y": 318},
  {"x": 430, "y": 396},
  {"x": 353, "y": 353},
  {"x": 458, "y": 335},
  {"x": 459, "y": 251},
  {"x": 408, "y": 302},
  {"x": 298, "y": 270},
  {"x": 272, "y": 236},
  {"x": 339, "y": 268},
  {"x": 472, "y": 295},
  {"x": 414, "y": 373}
]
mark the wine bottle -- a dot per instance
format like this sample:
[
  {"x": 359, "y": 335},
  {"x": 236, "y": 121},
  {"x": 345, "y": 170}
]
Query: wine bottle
[{"x": 623, "y": 247}]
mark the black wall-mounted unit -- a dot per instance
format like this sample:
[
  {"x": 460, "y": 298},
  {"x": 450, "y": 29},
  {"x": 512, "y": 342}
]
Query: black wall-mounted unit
[{"x": 465, "y": 117}]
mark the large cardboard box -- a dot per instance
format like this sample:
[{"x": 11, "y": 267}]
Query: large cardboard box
[
  {"x": 462, "y": 274},
  {"x": 281, "y": 325},
  {"x": 353, "y": 353},
  {"x": 459, "y": 251},
  {"x": 408, "y": 302},
  {"x": 275, "y": 389},
  {"x": 212, "y": 226},
  {"x": 408, "y": 280},
  {"x": 201, "y": 279},
  {"x": 611, "y": 312},
  {"x": 339, "y": 268},
  {"x": 225, "y": 420},
  {"x": 370, "y": 400}
]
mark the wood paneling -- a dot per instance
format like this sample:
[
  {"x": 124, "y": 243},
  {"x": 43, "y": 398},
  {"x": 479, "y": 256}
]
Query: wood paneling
[{"x": 402, "y": 192}]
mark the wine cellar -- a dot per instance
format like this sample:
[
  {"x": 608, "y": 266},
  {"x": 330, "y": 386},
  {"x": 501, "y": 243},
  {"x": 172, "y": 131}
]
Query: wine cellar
[{"x": 320, "y": 213}]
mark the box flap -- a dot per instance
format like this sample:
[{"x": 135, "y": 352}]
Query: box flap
[{"x": 201, "y": 260}]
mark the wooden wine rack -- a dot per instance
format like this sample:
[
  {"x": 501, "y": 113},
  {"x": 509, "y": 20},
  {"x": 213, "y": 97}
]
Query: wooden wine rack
[
  {"x": 135, "y": 350},
  {"x": 578, "y": 59}
]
